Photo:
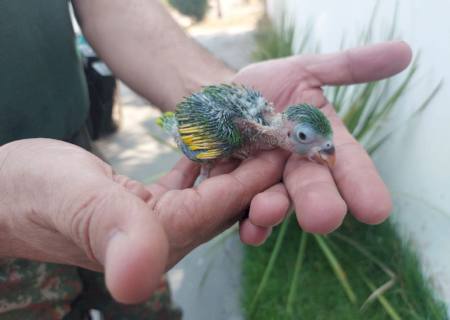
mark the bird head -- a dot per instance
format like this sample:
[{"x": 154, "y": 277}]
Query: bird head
[{"x": 309, "y": 133}]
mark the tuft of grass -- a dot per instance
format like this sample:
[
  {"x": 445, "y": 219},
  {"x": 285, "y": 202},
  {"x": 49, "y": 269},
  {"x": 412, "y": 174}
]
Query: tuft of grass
[
  {"x": 344, "y": 275},
  {"x": 273, "y": 42},
  {"x": 319, "y": 294}
]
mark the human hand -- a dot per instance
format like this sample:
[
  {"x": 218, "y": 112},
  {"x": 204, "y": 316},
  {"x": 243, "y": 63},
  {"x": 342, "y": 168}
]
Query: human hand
[
  {"x": 192, "y": 215},
  {"x": 321, "y": 196},
  {"x": 61, "y": 204}
]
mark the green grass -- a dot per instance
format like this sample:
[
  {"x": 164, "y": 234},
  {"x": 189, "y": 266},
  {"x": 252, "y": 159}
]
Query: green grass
[
  {"x": 360, "y": 271},
  {"x": 319, "y": 294},
  {"x": 272, "y": 43}
]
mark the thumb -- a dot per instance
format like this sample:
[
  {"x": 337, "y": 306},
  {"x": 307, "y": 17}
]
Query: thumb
[{"x": 126, "y": 238}]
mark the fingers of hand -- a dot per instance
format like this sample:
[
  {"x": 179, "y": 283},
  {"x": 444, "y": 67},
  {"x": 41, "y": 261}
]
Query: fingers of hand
[
  {"x": 319, "y": 195},
  {"x": 356, "y": 177},
  {"x": 133, "y": 186},
  {"x": 318, "y": 204},
  {"x": 224, "y": 167},
  {"x": 251, "y": 234},
  {"x": 229, "y": 194},
  {"x": 269, "y": 207},
  {"x": 181, "y": 176},
  {"x": 192, "y": 216},
  {"x": 121, "y": 232},
  {"x": 369, "y": 63}
]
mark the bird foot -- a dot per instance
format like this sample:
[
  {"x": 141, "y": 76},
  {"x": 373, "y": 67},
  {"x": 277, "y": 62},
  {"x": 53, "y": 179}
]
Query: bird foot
[{"x": 205, "y": 169}]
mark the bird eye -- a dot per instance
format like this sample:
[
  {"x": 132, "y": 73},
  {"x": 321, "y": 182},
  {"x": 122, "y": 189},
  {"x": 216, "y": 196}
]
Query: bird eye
[
  {"x": 305, "y": 135},
  {"x": 302, "y": 136}
]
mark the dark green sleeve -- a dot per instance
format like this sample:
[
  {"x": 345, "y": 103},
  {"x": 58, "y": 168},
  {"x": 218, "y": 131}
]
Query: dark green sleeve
[{"x": 42, "y": 87}]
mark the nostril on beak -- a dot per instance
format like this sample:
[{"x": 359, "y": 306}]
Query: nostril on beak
[{"x": 329, "y": 149}]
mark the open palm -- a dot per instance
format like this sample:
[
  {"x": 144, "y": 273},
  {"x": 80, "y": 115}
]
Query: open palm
[{"x": 321, "y": 197}]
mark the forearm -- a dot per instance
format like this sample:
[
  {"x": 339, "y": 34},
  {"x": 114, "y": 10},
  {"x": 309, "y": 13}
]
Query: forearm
[{"x": 146, "y": 49}]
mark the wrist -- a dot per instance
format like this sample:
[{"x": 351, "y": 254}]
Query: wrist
[
  {"x": 196, "y": 79},
  {"x": 219, "y": 75}
]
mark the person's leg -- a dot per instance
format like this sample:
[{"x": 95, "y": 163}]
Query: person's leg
[{"x": 36, "y": 290}]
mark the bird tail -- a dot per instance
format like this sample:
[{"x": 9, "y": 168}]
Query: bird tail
[{"x": 168, "y": 122}]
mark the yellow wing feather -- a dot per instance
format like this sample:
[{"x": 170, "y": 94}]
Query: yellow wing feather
[{"x": 196, "y": 138}]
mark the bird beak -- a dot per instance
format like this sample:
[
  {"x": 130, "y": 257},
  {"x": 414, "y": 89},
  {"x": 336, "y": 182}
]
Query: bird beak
[{"x": 326, "y": 157}]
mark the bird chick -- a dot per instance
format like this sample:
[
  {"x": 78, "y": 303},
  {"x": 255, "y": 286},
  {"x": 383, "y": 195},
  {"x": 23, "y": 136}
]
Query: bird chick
[{"x": 233, "y": 121}]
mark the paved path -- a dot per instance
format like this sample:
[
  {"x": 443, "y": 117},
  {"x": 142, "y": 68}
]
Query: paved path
[{"x": 207, "y": 283}]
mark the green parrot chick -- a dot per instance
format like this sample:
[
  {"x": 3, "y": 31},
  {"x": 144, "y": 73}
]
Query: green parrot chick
[{"x": 233, "y": 121}]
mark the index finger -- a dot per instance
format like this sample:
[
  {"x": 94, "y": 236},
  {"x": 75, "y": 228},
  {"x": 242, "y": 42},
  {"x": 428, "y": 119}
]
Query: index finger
[
  {"x": 362, "y": 64},
  {"x": 356, "y": 176}
]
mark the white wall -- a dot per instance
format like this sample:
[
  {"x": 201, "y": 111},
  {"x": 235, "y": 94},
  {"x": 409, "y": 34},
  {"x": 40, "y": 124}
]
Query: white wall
[{"x": 415, "y": 163}]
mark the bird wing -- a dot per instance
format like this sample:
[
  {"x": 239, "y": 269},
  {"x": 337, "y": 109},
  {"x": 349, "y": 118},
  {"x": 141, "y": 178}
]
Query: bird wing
[
  {"x": 207, "y": 120},
  {"x": 202, "y": 142},
  {"x": 206, "y": 128}
]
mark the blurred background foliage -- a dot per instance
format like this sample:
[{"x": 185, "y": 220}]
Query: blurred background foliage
[{"x": 195, "y": 9}]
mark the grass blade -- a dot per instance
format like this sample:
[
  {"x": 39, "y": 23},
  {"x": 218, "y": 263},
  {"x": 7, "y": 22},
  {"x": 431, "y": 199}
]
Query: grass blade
[
  {"x": 368, "y": 34},
  {"x": 373, "y": 147},
  {"x": 383, "y": 301},
  {"x": 376, "y": 117},
  {"x": 365, "y": 253},
  {"x": 428, "y": 100},
  {"x": 270, "y": 264},
  {"x": 297, "y": 269},
  {"x": 337, "y": 268},
  {"x": 377, "y": 293}
]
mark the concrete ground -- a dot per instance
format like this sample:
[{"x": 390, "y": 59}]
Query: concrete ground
[{"x": 206, "y": 284}]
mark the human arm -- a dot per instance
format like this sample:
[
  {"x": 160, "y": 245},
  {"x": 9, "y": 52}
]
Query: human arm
[{"x": 147, "y": 49}]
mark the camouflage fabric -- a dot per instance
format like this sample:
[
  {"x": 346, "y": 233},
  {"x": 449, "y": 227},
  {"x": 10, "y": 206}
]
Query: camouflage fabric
[{"x": 35, "y": 290}]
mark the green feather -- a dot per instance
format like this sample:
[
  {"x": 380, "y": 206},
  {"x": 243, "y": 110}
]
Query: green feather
[
  {"x": 209, "y": 116},
  {"x": 305, "y": 113},
  {"x": 167, "y": 121}
]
